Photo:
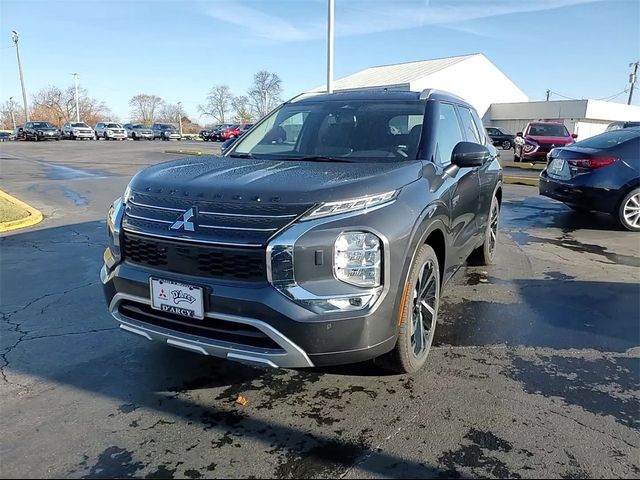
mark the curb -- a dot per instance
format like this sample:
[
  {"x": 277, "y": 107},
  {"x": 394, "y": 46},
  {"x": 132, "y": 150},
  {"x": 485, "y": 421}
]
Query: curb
[
  {"x": 187, "y": 152},
  {"x": 532, "y": 181},
  {"x": 35, "y": 215},
  {"x": 524, "y": 166}
]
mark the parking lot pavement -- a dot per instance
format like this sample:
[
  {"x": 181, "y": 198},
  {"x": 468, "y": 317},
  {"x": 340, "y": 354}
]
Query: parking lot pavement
[{"x": 535, "y": 370}]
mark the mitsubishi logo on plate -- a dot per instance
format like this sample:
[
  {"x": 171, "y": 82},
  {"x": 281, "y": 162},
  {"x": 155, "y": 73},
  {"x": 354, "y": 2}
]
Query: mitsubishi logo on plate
[{"x": 184, "y": 222}]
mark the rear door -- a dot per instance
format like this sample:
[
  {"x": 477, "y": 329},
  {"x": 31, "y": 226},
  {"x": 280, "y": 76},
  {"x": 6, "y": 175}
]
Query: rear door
[{"x": 463, "y": 188}]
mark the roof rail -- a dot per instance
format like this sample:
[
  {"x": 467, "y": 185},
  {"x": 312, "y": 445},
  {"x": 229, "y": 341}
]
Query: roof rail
[
  {"x": 302, "y": 96},
  {"x": 427, "y": 93}
]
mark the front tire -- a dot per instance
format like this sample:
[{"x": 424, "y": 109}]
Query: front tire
[
  {"x": 485, "y": 254},
  {"x": 419, "y": 315},
  {"x": 629, "y": 211}
]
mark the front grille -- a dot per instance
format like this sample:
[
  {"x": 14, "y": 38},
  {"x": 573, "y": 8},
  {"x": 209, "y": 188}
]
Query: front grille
[
  {"x": 211, "y": 328},
  {"x": 242, "y": 223},
  {"x": 223, "y": 263}
]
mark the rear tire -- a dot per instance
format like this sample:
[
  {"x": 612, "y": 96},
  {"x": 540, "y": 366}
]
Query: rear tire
[
  {"x": 506, "y": 145},
  {"x": 629, "y": 211},
  {"x": 421, "y": 296},
  {"x": 485, "y": 254}
]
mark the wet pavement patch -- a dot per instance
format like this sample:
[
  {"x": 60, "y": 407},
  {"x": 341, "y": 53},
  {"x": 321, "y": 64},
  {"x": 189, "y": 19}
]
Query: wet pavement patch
[
  {"x": 327, "y": 459},
  {"x": 476, "y": 456},
  {"x": 115, "y": 462},
  {"x": 594, "y": 385},
  {"x": 60, "y": 172}
]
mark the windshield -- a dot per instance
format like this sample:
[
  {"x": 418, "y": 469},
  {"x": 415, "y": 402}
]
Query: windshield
[
  {"x": 345, "y": 130},
  {"x": 138, "y": 125},
  {"x": 42, "y": 125},
  {"x": 547, "y": 130},
  {"x": 81, "y": 124},
  {"x": 113, "y": 125},
  {"x": 609, "y": 139},
  {"x": 167, "y": 127}
]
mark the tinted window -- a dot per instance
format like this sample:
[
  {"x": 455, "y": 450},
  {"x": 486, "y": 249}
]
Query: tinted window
[
  {"x": 547, "y": 130},
  {"x": 493, "y": 131},
  {"x": 609, "y": 139},
  {"x": 449, "y": 133},
  {"x": 469, "y": 127}
]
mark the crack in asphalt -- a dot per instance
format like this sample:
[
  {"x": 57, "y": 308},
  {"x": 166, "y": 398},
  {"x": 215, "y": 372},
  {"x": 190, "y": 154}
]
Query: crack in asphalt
[{"x": 17, "y": 326}]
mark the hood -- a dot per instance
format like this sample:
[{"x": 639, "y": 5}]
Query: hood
[
  {"x": 550, "y": 140},
  {"x": 227, "y": 179}
]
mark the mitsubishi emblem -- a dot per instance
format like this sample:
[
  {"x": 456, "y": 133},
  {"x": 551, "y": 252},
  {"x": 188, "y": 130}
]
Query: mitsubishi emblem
[{"x": 185, "y": 222}]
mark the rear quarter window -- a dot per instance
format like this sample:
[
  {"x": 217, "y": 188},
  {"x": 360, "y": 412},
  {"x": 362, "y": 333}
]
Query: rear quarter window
[{"x": 609, "y": 139}]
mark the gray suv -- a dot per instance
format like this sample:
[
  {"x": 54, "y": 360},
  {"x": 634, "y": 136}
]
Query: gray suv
[
  {"x": 323, "y": 236},
  {"x": 165, "y": 131}
]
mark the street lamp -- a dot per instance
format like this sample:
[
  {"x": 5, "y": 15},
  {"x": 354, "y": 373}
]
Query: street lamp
[
  {"x": 180, "y": 117},
  {"x": 15, "y": 37}
]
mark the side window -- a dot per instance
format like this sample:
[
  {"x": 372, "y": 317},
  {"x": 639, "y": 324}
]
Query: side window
[
  {"x": 492, "y": 131},
  {"x": 449, "y": 133},
  {"x": 470, "y": 130},
  {"x": 480, "y": 127}
]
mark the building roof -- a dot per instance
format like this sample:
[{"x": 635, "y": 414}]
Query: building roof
[{"x": 397, "y": 74}]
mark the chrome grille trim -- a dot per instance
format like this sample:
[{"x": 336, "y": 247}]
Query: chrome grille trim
[
  {"x": 245, "y": 229},
  {"x": 147, "y": 219},
  {"x": 192, "y": 240}
]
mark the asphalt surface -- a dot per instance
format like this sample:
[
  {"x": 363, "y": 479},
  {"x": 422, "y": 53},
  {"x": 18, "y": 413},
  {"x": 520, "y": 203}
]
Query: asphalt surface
[{"x": 535, "y": 370}]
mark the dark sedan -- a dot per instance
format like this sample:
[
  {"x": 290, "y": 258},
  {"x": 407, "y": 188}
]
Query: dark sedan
[
  {"x": 601, "y": 173},
  {"x": 501, "y": 137}
]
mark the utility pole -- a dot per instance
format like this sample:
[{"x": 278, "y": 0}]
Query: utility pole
[
  {"x": 75, "y": 78},
  {"x": 13, "y": 119},
  {"x": 330, "y": 47},
  {"x": 180, "y": 117},
  {"x": 632, "y": 80},
  {"x": 548, "y": 94},
  {"x": 15, "y": 37}
]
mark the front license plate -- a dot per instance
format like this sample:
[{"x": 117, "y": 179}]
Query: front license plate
[{"x": 177, "y": 298}]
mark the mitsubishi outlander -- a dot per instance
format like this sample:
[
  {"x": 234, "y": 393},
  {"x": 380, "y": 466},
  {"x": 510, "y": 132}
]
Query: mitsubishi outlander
[{"x": 324, "y": 235}]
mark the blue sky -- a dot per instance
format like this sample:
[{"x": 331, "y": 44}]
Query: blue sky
[{"x": 180, "y": 49}]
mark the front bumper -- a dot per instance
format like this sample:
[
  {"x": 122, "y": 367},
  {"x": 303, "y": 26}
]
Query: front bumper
[
  {"x": 118, "y": 136},
  {"x": 296, "y": 337},
  {"x": 83, "y": 135}
]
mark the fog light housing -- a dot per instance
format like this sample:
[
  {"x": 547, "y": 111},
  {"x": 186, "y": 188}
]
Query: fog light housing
[{"x": 357, "y": 259}]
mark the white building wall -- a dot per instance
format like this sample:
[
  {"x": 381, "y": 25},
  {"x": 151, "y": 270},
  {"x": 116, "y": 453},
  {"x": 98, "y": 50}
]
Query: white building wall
[{"x": 475, "y": 79}]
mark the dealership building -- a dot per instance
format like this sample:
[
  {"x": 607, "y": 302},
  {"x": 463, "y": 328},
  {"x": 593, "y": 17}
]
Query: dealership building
[{"x": 497, "y": 99}]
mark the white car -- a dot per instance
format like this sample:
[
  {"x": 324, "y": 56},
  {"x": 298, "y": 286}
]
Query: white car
[
  {"x": 75, "y": 130},
  {"x": 110, "y": 131}
]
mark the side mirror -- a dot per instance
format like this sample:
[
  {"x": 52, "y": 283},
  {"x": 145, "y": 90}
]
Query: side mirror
[
  {"x": 468, "y": 154},
  {"x": 574, "y": 135},
  {"x": 519, "y": 134},
  {"x": 226, "y": 144}
]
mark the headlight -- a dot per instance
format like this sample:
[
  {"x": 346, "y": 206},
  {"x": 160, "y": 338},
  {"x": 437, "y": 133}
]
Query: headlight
[
  {"x": 357, "y": 259},
  {"x": 112, "y": 253},
  {"x": 75, "y": 132},
  {"x": 344, "y": 206},
  {"x": 126, "y": 195},
  {"x": 109, "y": 131}
]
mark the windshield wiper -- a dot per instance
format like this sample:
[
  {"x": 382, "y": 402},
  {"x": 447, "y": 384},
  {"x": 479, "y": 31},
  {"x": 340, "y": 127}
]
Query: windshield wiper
[
  {"x": 241, "y": 155},
  {"x": 321, "y": 158}
]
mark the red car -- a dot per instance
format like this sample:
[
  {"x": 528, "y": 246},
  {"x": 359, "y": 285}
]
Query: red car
[
  {"x": 231, "y": 132},
  {"x": 538, "y": 140}
]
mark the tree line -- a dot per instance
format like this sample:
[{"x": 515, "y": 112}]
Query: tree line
[{"x": 58, "y": 106}]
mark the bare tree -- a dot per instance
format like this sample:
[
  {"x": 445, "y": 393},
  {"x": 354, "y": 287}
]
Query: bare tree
[
  {"x": 218, "y": 103},
  {"x": 144, "y": 108},
  {"x": 242, "y": 109},
  {"x": 58, "y": 106},
  {"x": 265, "y": 93},
  {"x": 169, "y": 113},
  {"x": 7, "y": 108}
]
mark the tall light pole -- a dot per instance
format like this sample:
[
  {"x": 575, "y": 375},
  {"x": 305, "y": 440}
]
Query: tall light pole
[
  {"x": 13, "y": 119},
  {"x": 75, "y": 78},
  {"x": 15, "y": 37},
  {"x": 330, "y": 19},
  {"x": 632, "y": 80},
  {"x": 180, "y": 117}
]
